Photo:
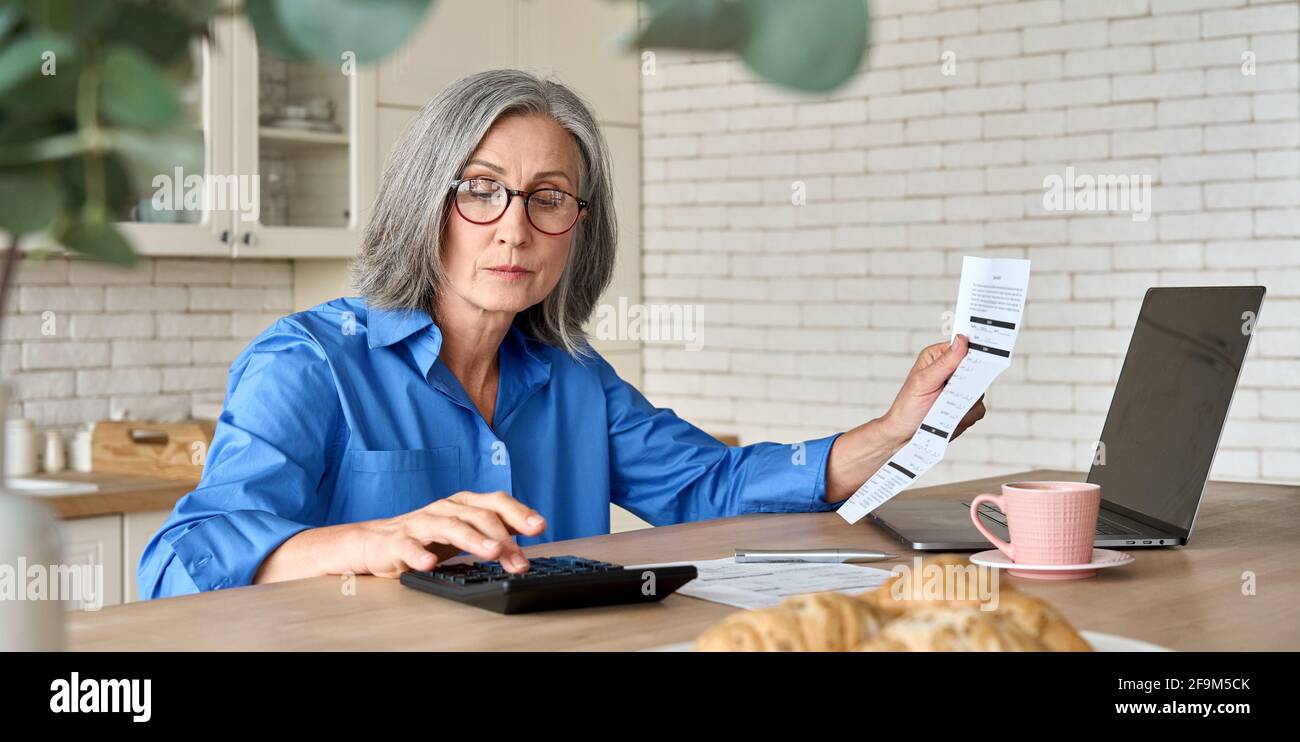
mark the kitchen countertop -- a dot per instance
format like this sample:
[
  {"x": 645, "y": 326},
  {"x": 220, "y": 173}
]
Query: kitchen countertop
[{"x": 118, "y": 493}]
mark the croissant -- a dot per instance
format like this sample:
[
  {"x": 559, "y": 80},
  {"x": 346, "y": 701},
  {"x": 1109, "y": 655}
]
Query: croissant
[
  {"x": 961, "y": 629},
  {"x": 816, "y": 622},
  {"x": 899, "y": 596},
  {"x": 1042, "y": 621},
  {"x": 896, "y": 617}
]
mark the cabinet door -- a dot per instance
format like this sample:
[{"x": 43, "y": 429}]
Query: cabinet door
[
  {"x": 390, "y": 123},
  {"x": 598, "y": 68},
  {"x": 96, "y": 543},
  {"x": 625, "y": 165},
  {"x": 305, "y": 130},
  {"x": 137, "y": 529},
  {"x": 455, "y": 39},
  {"x": 176, "y": 218}
]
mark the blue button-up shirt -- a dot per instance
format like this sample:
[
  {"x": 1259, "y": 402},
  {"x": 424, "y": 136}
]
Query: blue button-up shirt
[{"x": 344, "y": 413}]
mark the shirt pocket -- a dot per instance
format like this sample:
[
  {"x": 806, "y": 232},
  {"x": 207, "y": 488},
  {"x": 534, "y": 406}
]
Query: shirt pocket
[{"x": 384, "y": 484}]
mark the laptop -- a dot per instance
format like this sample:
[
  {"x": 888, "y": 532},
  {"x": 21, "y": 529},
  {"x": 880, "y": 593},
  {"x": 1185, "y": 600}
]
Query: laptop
[{"x": 1159, "y": 438}]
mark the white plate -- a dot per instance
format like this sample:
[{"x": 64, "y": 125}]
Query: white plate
[
  {"x": 1099, "y": 641},
  {"x": 1101, "y": 559},
  {"x": 1111, "y": 643}
]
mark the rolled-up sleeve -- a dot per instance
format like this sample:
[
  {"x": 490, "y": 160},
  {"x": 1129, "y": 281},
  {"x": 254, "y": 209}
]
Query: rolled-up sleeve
[
  {"x": 272, "y": 445},
  {"x": 665, "y": 470}
]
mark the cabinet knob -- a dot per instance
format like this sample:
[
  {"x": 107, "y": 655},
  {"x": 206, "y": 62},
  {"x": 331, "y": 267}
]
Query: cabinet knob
[
  {"x": 225, "y": 236},
  {"x": 248, "y": 238}
]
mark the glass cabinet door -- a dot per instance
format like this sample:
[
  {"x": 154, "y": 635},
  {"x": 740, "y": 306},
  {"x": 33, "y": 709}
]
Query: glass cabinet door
[
  {"x": 304, "y": 130},
  {"x": 182, "y": 215}
]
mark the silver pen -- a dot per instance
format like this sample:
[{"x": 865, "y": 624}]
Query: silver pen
[{"x": 831, "y": 556}]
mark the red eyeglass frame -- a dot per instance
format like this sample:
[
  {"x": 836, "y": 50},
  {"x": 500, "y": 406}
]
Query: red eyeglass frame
[{"x": 510, "y": 194}]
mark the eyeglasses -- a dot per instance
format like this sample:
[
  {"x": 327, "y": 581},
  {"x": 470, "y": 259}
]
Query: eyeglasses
[{"x": 483, "y": 201}]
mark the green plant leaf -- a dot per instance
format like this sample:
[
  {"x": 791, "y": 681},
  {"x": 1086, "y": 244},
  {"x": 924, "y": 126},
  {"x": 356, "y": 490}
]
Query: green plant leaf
[
  {"x": 196, "y": 12},
  {"x": 10, "y": 14},
  {"x": 25, "y": 130},
  {"x": 29, "y": 199},
  {"x": 370, "y": 29},
  {"x": 21, "y": 60},
  {"x": 120, "y": 192},
  {"x": 76, "y": 17},
  {"x": 47, "y": 97},
  {"x": 270, "y": 35},
  {"x": 813, "y": 46},
  {"x": 159, "y": 33},
  {"x": 135, "y": 92},
  {"x": 693, "y": 24},
  {"x": 96, "y": 237},
  {"x": 149, "y": 154},
  {"x": 56, "y": 147}
]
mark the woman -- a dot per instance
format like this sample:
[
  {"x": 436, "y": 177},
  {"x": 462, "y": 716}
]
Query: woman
[{"x": 455, "y": 406}]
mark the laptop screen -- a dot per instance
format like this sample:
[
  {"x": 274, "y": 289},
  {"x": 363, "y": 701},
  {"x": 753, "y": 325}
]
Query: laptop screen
[{"x": 1171, "y": 401}]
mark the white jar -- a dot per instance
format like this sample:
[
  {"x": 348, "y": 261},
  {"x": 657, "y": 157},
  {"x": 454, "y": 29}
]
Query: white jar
[
  {"x": 55, "y": 457},
  {"x": 20, "y": 447},
  {"x": 81, "y": 455}
]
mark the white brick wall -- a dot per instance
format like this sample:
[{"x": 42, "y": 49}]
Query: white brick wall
[
  {"x": 83, "y": 341},
  {"x": 814, "y": 312}
]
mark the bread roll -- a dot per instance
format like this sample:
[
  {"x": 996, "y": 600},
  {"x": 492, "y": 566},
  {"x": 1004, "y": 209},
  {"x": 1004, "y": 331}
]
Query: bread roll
[
  {"x": 906, "y": 613},
  {"x": 902, "y": 594},
  {"x": 947, "y": 629},
  {"x": 817, "y": 622},
  {"x": 1040, "y": 620}
]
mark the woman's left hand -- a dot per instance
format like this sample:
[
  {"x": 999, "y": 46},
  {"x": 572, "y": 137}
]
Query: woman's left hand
[
  {"x": 923, "y": 386},
  {"x": 858, "y": 453}
]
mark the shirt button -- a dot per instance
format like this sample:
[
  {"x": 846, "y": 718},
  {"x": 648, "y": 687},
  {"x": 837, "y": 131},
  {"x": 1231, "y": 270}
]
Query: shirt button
[{"x": 203, "y": 560}]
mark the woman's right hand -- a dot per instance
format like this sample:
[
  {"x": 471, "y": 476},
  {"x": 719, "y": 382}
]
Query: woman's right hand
[{"x": 482, "y": 524}]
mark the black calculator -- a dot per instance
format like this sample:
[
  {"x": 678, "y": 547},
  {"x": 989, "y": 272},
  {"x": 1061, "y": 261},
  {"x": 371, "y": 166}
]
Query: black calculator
[{"x": 551, "y": 583}]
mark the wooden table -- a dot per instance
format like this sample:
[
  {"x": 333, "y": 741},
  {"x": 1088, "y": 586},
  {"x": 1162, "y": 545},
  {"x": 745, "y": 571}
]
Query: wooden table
[{"x": 1184, "y": 598}]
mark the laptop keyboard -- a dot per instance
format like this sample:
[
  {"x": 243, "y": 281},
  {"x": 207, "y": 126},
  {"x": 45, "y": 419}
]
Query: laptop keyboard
[{"x": 992, "y": 513}]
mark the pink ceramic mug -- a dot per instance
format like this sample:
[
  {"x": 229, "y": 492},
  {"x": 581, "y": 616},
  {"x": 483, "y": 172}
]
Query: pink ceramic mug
[{"x": 1049, "y": 522}]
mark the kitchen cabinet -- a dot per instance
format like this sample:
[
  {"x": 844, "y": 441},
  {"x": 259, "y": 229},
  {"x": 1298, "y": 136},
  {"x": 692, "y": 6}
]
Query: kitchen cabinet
[
  {"x": 112, "y": 544},
  {"x": 607, "y": 77},
  {"x": 315, "y": 179},
  {"x": 306, "y": 129},
  {"x": 95, "y": 543},
  {"x": 169, "y": 227},
  {"x": 289, "y": 159},
  {"x": 137, "y": 529},
  {"x": 454, "y": 40}
]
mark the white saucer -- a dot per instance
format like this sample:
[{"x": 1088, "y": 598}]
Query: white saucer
[{"x": 1101, "y": 559}]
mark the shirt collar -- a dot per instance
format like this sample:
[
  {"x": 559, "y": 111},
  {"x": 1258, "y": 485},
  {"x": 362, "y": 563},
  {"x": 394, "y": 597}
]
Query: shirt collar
[
  {"x": 388, "y": 326},
  {"x": 524, "y": 365}
]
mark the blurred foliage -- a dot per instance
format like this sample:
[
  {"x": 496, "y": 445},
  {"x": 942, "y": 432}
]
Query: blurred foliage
[
  {"x": 90, "y": 108},
  {"x": 808, "y": 45}
]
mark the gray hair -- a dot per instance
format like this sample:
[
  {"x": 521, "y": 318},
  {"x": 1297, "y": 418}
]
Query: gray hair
[{"x": 399, "y": 266}]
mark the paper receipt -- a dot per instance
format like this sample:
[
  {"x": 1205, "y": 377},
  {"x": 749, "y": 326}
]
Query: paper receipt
[{"x": 990, "y": 305}]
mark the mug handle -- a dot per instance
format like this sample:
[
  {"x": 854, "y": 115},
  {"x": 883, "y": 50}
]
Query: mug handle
[{"x": 1002, "y": 546}]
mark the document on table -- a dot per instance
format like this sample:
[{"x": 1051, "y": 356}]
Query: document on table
[
  {"x": 990, "y": 305},
  {"x": 764, "y": 584}
]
